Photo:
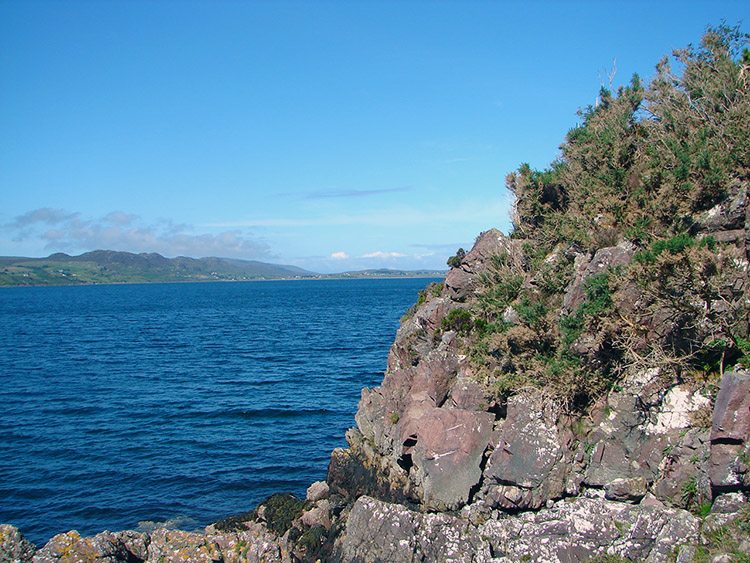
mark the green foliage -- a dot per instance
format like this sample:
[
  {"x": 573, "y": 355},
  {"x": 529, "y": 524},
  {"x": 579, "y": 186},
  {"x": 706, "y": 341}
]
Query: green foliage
[
  {"x": 726, "y": 540},
  {"x": 744, "y": 347},
  {"x": 598, "y": 295},
  {"x": 708, "y": 242},
  {"x": 598, "y": 303},
  {"x": 643, "y": 165},
  {"x": 646, "y": 155},
  {"x": 703, "y": 510},
  {"x": 458, "y": 320},
  {"x": 455, "y": 261},
  {"x": 313, "y": 539},
  {"x": 690, "y": 492},
  {"x": 531, "y": 312},
  {"x": 280, "y": 510},
  {"x": 675, "y": 245},
  {"x": 436, "y": 288},
  {"x": 236, "y": 522}
]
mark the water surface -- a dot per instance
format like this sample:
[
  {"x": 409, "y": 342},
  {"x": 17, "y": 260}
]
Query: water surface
[{"x": 128, "y": 403}]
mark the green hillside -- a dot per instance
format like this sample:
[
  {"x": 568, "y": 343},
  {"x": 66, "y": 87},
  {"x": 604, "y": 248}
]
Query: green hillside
[{"x": 106, "y": 266}]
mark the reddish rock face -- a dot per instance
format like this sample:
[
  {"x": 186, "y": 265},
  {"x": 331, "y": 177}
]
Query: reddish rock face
[
  {"x": 526, "y": 468},
  {"x": 730, "y": 433},
  {"x": 731, "y": 420},
  {"x": 448, "y": 455}
]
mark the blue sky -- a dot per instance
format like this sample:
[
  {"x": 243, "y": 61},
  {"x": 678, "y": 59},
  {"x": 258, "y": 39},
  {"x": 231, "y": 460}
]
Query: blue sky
[{"x": 328, "y": 135}]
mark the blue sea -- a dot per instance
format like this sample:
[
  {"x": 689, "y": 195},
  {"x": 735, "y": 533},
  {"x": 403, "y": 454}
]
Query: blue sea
[{"x": 128, "y": 404}]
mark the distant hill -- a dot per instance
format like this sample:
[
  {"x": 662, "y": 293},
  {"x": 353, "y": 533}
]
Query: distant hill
[{"x": 109, "y": 266}]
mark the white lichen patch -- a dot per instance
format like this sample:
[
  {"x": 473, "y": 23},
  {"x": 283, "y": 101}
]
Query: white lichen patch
[{"x": 675, "y": 410}]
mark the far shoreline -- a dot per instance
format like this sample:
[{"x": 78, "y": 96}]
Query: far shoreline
[{"x": 322, "y": 277}]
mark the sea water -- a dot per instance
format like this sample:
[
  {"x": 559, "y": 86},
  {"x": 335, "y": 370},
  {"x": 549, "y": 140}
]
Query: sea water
[{"x": 128, "y": 404}]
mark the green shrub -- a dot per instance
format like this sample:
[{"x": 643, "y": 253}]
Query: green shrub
[
  {"x": 458, "y": 320},
  {"x": 675, "y": 245},
  {"x": 455, "y": 261},
  {"x": 236, "y": 522},
  {"x": 313, "y": 539},
  {"x": 530, "y": 312},
  {"x": 280, "y": 510},
  {"x": 597, "y": 304}
]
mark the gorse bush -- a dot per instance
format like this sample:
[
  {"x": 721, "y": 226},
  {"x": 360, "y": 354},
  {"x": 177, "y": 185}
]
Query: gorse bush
[
  {"x": 644, "y": 159},
  {"x": 640, "y": 172},
  {"x": 458, "y": 320}
]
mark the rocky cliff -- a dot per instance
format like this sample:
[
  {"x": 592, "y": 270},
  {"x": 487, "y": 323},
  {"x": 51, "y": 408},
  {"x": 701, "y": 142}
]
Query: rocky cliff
[
  {"x": 577, "y": 391},
  {"x": 444, "y": 467}
]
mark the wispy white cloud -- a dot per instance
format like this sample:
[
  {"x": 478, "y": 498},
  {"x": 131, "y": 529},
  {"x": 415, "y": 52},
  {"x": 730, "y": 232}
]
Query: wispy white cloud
[
  {"x": 120, "y": 218},
  {"x": 45, "y": 215},
  {"x": 380, "y": 254},
  {"x": 59, "y": 230},
  {"x": 339, "y": 256},
  {"x": 22, "y": 226},
  {"x": 356, "y": 193}
]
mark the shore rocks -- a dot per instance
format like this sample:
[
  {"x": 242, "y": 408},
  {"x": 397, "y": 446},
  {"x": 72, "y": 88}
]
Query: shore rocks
[
  {"x": 14, "y": 548},
  {"x": 578, "y": 530},
  {"x": 105, "y": 547}
]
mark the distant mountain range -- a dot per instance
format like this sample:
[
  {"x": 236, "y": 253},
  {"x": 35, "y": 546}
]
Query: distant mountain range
[{"x": 108, "y": 266}]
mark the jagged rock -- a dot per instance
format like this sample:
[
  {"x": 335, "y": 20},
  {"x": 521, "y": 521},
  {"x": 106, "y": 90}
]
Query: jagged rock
[
  {"x": 320, "y": 515},
  {"x": 728, "y": 503},
  {"x": 360, "y": 470},
  {"x": 511, "y": 316},
  {"x": 105, "y": 547},
  {"x": 317, "y": 491},
  {"x": 683, "y": 480},
  {"x": 569, "y": 531},
  {"x": 448, "y": 454},
  {"x": 467, "y": 394},
  {"x": 526, "y": 468},
  {"x": 388, "y": 415},
  {"x": 686, "y": 554},
  {"x": 14, "y": 548},
  {"x": 377, "y": 531},
  {"x": 461, "y": 282},
  {"x": 173, "y": 546},
  {"x": 651, "y": 500},
  {"x": 731, "y": 421},
  {"x": 604, "y": 258},
  {"x": 626, "y": 489},
  {"x": 643, "y": 432},
  {"x": 255, "y": 545},
  {"x": 729, "y": 215},
  {"x": 730, "y": 433}
]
